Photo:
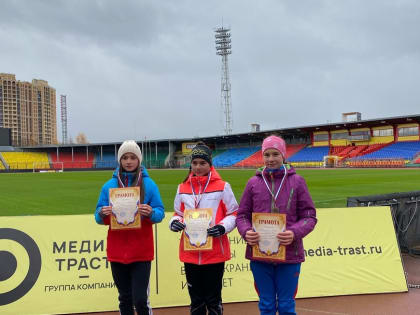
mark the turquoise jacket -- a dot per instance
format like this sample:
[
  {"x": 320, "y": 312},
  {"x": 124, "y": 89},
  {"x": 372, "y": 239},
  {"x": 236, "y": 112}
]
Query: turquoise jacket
[
  {"x": 151, "y": 196},
  {"x": 131, "y": 245}
]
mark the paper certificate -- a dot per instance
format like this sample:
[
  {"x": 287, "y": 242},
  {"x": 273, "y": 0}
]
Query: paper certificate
[
  {"x": 197, "y": 221},
  {"x": 124, "y": 202},
  {"x": 268, "y": 225}
]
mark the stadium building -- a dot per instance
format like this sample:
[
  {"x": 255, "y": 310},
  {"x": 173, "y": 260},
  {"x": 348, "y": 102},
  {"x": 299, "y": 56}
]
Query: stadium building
[
  {"x": 382, "y": 142},
  {"x": 28, "y": 110}
]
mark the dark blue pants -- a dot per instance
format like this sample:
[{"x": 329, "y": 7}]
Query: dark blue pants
[
  {"x": 132, "y": 281},
  {"x": 277, "y": 286}
]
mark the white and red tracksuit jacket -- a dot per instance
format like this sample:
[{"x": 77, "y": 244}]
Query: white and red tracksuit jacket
[{"x": 218, "y": 196}]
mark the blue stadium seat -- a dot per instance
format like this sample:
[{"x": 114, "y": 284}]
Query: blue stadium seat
[
  {"x": 233, "y": 156},
  {"x": 312, "y": 154},
  {"x": 398, "y": 150},
  {"x": 108, "y": 160}
]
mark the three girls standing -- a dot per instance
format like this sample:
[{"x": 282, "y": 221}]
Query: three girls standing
[{"x": 275, "y": 188}]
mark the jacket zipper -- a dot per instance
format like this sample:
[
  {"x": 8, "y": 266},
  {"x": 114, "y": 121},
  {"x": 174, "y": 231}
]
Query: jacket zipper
[
  {"x": 221, "y": 245},
  {"x": 273, "y": 200},
  {"x": 290, "y": 199}
]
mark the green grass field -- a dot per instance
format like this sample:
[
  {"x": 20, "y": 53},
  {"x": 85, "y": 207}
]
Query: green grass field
[{"x": 77, "y": 192}]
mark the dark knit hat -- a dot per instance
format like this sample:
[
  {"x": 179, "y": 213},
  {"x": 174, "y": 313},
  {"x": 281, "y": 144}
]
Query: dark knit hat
[{"x": 201, "y": 151}]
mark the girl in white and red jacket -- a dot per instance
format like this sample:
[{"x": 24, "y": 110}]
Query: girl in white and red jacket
[
  {"x": 130, "y": 252},
  {"x": 204, "y": 188}
]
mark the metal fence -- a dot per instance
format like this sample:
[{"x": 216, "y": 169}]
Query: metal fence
[{"x": 405, "y": 212}]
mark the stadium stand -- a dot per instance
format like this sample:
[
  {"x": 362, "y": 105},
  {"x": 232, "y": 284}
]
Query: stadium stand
[
  {"x": 232, "y": 156},
  {"x": 216, "y": 152},
  {"x": 292, "y": 149},
  {"x": 416, "y": 159},
  {"x": 181, "y": 159},
  {"x": 256, "y": 159},
  {"x": 353, "y": 151},
  {"x": 108, "y": 160},
  {"x": 78, "y": 160},
  {"x": 340, "y": 150},
  {"x": 155, "y": 161},
  {"x": 310, "y": 154},
  {"x": 26, "y": 160},
  {"x": 358, "y": 149},
  {"x": 398, "y": 150},
  {"x": 374, "y": 147}
]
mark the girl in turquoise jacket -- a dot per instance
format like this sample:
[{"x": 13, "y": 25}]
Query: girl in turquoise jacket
[{"x": 130, "y": 252}]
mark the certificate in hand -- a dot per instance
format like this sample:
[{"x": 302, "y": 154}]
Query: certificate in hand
[
  {"x": 197, "y": 221},
  {"x": 124, "y": 202},
  {"x": 268, "y": 225}
]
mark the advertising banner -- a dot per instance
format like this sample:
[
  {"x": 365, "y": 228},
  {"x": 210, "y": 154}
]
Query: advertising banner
[
  {"x": 187, "y": 147},
  {"x": 57, "y": 264}
]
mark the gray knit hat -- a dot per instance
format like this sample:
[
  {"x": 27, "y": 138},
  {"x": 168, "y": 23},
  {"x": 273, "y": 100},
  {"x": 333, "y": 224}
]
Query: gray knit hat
[{"x": 129, "y": 146}]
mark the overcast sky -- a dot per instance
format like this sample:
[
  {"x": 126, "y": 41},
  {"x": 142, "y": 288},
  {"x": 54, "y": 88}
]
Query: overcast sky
[{"x": 136, "y": 69}]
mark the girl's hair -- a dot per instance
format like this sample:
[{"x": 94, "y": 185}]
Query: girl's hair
[
  {"x": 137, "y": 173},
  {"x": 188, "y": 175}
]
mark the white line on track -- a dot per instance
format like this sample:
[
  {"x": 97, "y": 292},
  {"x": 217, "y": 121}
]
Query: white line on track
[
  {"x": 328, "y": 200},
  {"x": 320, "y": 312}
]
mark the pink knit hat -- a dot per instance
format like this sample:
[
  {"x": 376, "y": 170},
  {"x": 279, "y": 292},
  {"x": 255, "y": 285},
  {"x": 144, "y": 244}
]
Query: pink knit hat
[{"x": 273, "y": 142}]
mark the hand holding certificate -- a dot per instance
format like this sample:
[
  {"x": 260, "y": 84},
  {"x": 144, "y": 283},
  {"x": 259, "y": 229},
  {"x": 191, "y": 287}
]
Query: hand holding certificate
[
  {"x": 124, "y": 202},
  {"x": 268, "y": 226},
  {"x": 197, "y": 221}
]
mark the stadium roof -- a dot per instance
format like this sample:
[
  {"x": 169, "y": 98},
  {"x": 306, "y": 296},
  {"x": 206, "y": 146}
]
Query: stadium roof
[
  {"x": 305, "y": 130},
  {"x": 397, "y": 120},
  {"x": 291, "y": 132}
]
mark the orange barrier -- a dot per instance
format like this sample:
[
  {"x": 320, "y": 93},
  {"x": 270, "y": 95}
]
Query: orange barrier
[{"x": 382, "y": 163}]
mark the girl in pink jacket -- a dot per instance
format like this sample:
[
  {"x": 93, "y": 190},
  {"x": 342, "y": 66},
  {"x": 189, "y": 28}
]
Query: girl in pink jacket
[{"x": 277, "y": 188}]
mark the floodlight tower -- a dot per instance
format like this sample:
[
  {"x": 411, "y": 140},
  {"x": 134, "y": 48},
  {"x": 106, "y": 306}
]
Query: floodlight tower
[
  {"x": 64, "y": 118},
  {"x": 223, "y": 48}
]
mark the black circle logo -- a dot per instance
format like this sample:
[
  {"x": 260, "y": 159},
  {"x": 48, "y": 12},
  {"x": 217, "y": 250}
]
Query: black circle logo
[{"x": 9, "y": 264}]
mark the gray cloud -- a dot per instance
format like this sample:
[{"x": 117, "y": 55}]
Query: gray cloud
[{"x": 135, "y": 69}]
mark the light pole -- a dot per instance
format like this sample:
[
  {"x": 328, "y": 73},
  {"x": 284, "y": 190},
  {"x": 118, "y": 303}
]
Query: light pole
[{"x": 223, "y": 48}]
